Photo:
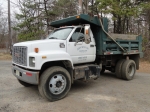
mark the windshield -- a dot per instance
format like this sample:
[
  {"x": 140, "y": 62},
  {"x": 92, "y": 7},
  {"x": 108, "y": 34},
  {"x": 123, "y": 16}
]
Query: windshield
[{"x": 62, "y": 33}]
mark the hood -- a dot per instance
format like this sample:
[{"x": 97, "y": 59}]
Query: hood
[
  {"x": 43, "y": 45},
  {"x": 27, "y": 43}
]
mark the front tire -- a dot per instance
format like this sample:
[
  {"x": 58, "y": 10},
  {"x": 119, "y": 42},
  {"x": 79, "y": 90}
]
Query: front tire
[
  {"x": 55, "y": 83},
  {"x": 128, "y": 69}
]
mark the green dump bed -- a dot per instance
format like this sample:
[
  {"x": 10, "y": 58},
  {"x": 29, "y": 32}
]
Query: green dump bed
[{"x": 104, "y": 45}]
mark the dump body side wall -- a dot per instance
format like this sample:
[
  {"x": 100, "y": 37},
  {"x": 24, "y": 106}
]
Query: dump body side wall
[{"x": 106, "y": 46}]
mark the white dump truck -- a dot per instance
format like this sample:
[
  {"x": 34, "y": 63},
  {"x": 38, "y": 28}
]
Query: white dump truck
[{"x": 78, "y": 49}]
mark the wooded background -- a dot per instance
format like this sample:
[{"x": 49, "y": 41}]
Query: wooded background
[{"x": 32, "y": 21}]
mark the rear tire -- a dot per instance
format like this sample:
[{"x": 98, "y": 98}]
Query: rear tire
[
  {"x": 118, "y": 68},
  {"x": 128, "y": 69},
  {"x": 55, "y": 83},
  {"x": 24, "y": 83}
]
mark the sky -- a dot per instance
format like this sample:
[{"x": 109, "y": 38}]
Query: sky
[{"x": 13, "y": 7}]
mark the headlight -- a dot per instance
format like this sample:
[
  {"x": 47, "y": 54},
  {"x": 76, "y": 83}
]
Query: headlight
[{"x": 32, "y": 61}]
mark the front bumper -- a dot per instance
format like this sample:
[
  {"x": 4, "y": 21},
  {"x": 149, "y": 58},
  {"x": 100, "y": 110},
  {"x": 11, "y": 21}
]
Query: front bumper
[{"x": 25, "y": 75}]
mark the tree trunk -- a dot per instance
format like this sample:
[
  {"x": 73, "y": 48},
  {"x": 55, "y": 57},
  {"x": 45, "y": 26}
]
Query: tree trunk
[
  {"x": 114, "y": 26},
  {"x": 46, "y": 11},
  {"x": 123, "y": 26},
  {"x": 127, "y": 29},
  {"x": 149, "y": 31},
  {"x": 119, "y": 25}
]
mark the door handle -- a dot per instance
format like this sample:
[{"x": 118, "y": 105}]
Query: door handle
[{"x": 91, "y": 45}]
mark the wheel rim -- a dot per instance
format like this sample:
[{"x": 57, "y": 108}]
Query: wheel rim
[
  {"x": 131, "y": 70},
  {"x": 57, "y": 84}
]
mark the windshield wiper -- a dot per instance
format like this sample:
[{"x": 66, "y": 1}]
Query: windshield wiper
[{"x": 53, "y": 38}]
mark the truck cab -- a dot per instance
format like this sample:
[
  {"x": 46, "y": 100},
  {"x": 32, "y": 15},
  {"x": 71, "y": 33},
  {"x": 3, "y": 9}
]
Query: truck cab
[{"x": 65, "y": 43}]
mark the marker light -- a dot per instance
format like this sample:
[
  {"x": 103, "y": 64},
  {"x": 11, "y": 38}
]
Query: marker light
[
  {"x": 36, "y": 50},
  {"x": 43, "y": 57},
  {"x": 78, "y": 17}
]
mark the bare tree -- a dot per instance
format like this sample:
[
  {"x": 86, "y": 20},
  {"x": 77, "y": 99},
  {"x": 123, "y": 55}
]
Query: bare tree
[{"x": 3, "y": 30}]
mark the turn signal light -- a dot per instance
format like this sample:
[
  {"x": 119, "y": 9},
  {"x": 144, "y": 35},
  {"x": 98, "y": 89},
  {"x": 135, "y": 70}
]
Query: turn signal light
[
  {"x": 78, "y": 17},
  {"x": 36, "y": 50}
]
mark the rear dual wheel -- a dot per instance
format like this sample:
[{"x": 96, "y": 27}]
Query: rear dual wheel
[
  {"x": 118, "y": 68},
  {"x": 128, "y": 69},
  {"x": 125, "y": 69}
]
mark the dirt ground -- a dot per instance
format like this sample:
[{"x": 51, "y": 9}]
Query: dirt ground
[
  {"x": 106, "y": 94},
  {"x": 5, "y": 56}
]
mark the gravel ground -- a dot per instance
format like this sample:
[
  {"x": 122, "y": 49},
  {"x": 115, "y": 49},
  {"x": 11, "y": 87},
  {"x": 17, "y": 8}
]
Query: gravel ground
[{"x": 106, "y": 94}]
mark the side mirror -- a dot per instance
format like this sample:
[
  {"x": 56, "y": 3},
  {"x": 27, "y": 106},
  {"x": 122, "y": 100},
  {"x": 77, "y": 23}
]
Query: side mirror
[
  {"x": 87, "y": 34},
  {"x": 87, "y": 39}
]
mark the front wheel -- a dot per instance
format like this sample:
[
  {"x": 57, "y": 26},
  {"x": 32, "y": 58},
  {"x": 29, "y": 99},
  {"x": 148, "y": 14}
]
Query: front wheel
[{"x": 55, "y": 83}]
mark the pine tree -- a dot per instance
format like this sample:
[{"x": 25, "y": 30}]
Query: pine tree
[
  {"x": 35, "y": 16},
  {"x": 29, "y": 27},
  {"x": 122, "y": 12}
]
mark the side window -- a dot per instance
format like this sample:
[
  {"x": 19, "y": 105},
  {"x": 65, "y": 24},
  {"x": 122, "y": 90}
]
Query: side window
[{"x": 78, "y": 35}]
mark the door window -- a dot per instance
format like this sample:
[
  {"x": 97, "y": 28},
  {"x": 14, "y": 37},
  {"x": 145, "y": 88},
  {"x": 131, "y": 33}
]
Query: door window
[{"x": 78, "y": 35}]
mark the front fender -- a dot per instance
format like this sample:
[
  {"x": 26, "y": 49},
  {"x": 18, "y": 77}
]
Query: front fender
[{"x": 50, "y": 56}]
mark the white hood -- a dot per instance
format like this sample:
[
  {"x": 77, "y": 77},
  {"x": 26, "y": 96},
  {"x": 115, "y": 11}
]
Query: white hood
[
  {"x": 43, "y": 45},
  {"x": 38, "y": 42}
]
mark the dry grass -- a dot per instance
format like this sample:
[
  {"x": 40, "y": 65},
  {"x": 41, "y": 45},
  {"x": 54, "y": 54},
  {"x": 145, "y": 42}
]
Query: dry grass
[
  {"x": 5, "y": 56},
  {"x": 144, "y": 67}
]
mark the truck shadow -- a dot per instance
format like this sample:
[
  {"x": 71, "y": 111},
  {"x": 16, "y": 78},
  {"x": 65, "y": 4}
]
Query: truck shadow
[
  {"x": 79, "y": 85},
  {"x": 108, "y": 74}
]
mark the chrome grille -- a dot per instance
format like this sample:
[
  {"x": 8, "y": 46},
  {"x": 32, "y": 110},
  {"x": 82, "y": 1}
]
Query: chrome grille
[{"x": 20, "y": 55}]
